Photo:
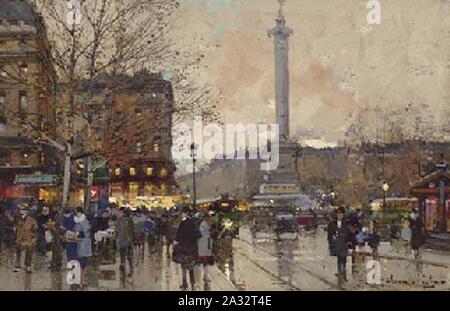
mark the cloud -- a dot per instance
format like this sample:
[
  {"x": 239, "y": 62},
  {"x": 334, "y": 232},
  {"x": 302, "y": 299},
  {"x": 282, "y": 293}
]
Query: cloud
[{"x": 336, "y": 62}]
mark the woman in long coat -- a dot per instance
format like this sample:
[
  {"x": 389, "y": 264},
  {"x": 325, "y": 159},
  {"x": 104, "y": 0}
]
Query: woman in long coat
[
  {"x": 417, "y": 239},
  {"x": 84, "y": 248},
  {"x": 205, "y": 245},
  {"x": 25, "y": 239}
]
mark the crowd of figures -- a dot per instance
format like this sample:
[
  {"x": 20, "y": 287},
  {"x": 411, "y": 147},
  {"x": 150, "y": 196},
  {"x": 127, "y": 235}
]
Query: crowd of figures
[
  {"x": 348, "y": 234},
  {"x": 76, "y": 236}
]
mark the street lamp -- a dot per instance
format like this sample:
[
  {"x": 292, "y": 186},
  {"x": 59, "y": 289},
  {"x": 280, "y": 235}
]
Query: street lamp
[
  {"x": 385, "y": 189},
  {"x": 194, "y": 188}
]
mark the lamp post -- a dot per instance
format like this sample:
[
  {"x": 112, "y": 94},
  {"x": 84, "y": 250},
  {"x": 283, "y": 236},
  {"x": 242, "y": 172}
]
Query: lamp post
[
  {"x": 194, "y": 188},
  {"x": 385, "y": 188}
]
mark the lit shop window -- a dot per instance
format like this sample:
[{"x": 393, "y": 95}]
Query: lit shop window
[
  {"x": 117, "y": 171},
  {"x": 148, "y": 189},
  {"x": 132, "y": 171},
  {"x": 149, "y": 171},
  {"x": 139, "y": 147},
  {"x": 163, "y": 172}
]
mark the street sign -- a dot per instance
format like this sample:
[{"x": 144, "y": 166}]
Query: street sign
[{"x": 36, "y": 179}]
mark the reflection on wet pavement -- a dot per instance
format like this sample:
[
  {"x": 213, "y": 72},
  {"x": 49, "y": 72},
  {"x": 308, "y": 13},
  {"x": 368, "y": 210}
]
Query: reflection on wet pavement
[
  {"x": 241, "y": 264},
  {"x": 155, "y": 272}
]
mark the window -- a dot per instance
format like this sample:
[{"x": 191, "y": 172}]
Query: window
[
  {"x": 132, "y": 171},
  {"x": 156, "y": 143},
  {"x": 149, "y": 171},
  {"x": 23, "y": 101},
  {"x": 117, "y": 171},
  {"x": 23, "y": 46},
  {"x": 23, "y": 69},
  {"x": 163, "y": 172},
  {"x": 139, "y": 147},
  {"x": 2, "y": 108}
]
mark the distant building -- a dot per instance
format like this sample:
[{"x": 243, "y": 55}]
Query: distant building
[
  {"x": 27, "y": 108},
  {"x": 355, "y": 176},
  {"x": 238, "y": 178}
]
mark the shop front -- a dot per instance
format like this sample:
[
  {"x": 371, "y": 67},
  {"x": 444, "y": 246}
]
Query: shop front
[
  {"x": 45, "y": 187},
  {"x": 433, "y": 193},
  {"x": 28, "y": 187}
]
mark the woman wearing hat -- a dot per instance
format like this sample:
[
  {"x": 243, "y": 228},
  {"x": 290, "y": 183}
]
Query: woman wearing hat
[
  {"x": 205, "y": 244},
  {"x": 84, "y": 247}
]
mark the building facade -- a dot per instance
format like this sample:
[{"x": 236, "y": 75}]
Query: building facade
[
  {"x": 130, "y": 128},
  {"x": 28, "y": 167}
]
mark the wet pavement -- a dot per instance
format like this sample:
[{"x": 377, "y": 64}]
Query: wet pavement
[
  {"x": 245, "y": 264},
  {"x": 155, "y": 272},
  {"x": 304, "y": 264}
]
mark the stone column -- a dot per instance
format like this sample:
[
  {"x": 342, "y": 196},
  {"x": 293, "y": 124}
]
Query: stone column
[{"x": 281, "y": 34}]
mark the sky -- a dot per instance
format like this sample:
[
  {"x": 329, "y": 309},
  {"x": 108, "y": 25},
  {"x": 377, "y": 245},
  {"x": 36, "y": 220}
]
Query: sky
[{"x": 337, "y": 60}]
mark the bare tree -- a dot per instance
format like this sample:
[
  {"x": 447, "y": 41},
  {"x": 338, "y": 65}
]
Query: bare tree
[{"x": 118, "y": 37}]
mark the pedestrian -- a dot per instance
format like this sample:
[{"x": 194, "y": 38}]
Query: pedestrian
[
  {"x": 149, "y": 229},
  {"x": 338, "y": 238},
  {"x": 42, "y": 220},
  {"x": 2, "y": 227},
  {"x": 374, "y": 241},
  {"x": 139, "y": 233},
  {"x": 84, "y": 244},
  {"x": 405, "y": 233},
  {"x": 171, "y": 224},
  {"x": 125, "y": 238},
  {"x": 26, "y": 235},
  {"x": 205, "y": 244},
  {"x": 417, "y": 239},
  {"x": 70, "y": 236},
  {"x": 53, "y": 237},
  {"x": 185, "y": 250},
  {"x": 8, "y": 233}
]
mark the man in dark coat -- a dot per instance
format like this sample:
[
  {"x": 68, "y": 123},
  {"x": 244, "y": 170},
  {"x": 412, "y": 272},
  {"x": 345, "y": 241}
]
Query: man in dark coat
[
  {"x": 339, "y": 236},
  {"x": 186, "y": 244},
  {"x": 124, "y": 238}
]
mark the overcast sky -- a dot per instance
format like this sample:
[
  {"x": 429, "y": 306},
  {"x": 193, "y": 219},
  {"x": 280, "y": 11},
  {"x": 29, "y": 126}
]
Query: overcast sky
[{"x": 337, "y": 60}]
